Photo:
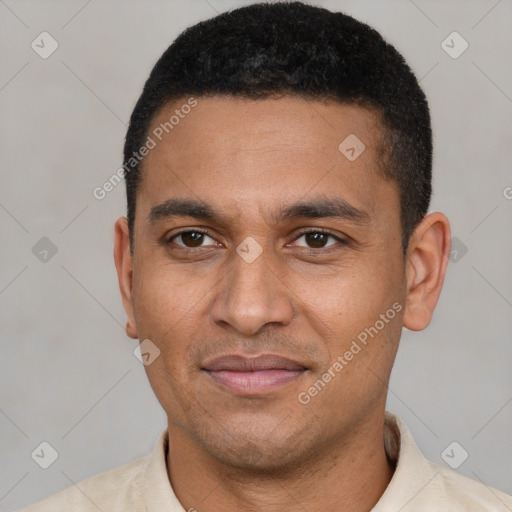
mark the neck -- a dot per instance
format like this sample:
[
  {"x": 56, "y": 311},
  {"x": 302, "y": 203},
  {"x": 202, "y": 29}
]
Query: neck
[{"x": 351, "y": 474}]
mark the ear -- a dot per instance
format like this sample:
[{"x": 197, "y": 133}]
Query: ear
[
  {"x": 426, "y": 262},
  {"x": 123, "y": 260}
]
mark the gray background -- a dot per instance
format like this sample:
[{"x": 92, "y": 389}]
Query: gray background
[{"x": 68, "y": 373}]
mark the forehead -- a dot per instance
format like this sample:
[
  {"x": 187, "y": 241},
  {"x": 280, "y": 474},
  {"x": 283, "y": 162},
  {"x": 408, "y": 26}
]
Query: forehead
[{"x": 249, "y": 154}]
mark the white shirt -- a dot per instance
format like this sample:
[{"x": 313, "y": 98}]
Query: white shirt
[{"x": 418, "y": 485}]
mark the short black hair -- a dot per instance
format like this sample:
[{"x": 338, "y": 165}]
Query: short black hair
[{"x": 291, "y": 48}]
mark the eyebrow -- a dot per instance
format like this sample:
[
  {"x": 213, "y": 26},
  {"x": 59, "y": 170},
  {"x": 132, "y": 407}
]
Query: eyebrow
[{"x": 335, "y": 208}]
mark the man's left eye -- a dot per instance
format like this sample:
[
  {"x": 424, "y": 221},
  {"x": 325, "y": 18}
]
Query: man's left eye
[{"x": 318, "y": 239}]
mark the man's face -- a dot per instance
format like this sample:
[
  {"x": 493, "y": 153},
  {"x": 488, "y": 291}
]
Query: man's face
[{"x": 248, "y": 281}]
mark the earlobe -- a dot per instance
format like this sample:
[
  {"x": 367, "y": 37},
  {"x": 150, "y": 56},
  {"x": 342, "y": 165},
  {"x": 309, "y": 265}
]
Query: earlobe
[
  {"x": 124, "y": 267},
  {"x": 426, "y": 263}
]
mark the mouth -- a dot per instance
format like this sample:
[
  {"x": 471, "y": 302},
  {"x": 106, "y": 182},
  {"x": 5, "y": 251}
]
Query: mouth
[{"x": 253, "y": 375}]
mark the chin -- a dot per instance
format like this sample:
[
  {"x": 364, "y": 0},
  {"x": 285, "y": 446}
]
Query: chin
[
  {"x": 254, "y": 459},
  {"x": 257, "y": 451}
]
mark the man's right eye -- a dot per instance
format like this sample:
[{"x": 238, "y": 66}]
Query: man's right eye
[{"x": 190, "y": 239}]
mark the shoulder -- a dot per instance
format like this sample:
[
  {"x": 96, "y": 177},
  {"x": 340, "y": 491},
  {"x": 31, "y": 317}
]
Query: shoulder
[
  {"x": 468, "y": 494},
  {"x": 111, "y": 490},
  {"x": 419, "y": 484}
]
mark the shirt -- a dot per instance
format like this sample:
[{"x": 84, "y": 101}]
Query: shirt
[{"x": 417, "y": 484}]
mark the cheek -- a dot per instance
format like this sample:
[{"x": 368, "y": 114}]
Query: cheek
[
  {"x": 353, "y": 299},
  {"x": 167, "y": 311},
  {"x": 165, "y": 298},
  {"x": 360, "y": 321}
]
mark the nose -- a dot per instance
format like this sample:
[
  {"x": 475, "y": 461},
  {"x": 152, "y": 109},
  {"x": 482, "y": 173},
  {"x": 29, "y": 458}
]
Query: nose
[{"x": 252, "y": 295}]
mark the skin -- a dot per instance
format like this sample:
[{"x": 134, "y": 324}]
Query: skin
[{"x": 304, "y": 297}]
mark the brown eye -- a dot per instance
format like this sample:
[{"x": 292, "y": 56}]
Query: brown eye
[
  {"x": 316, "y": 239},
  {"x": 190, "y": 239}
]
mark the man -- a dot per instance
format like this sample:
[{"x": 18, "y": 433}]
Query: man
[{"x": 278, "y": 173}]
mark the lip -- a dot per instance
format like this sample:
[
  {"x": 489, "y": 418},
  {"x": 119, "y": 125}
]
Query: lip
[{"x": 253, "y": 375}]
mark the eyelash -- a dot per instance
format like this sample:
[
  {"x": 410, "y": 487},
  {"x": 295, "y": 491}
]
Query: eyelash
[{"x": 341, "y": 241}]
